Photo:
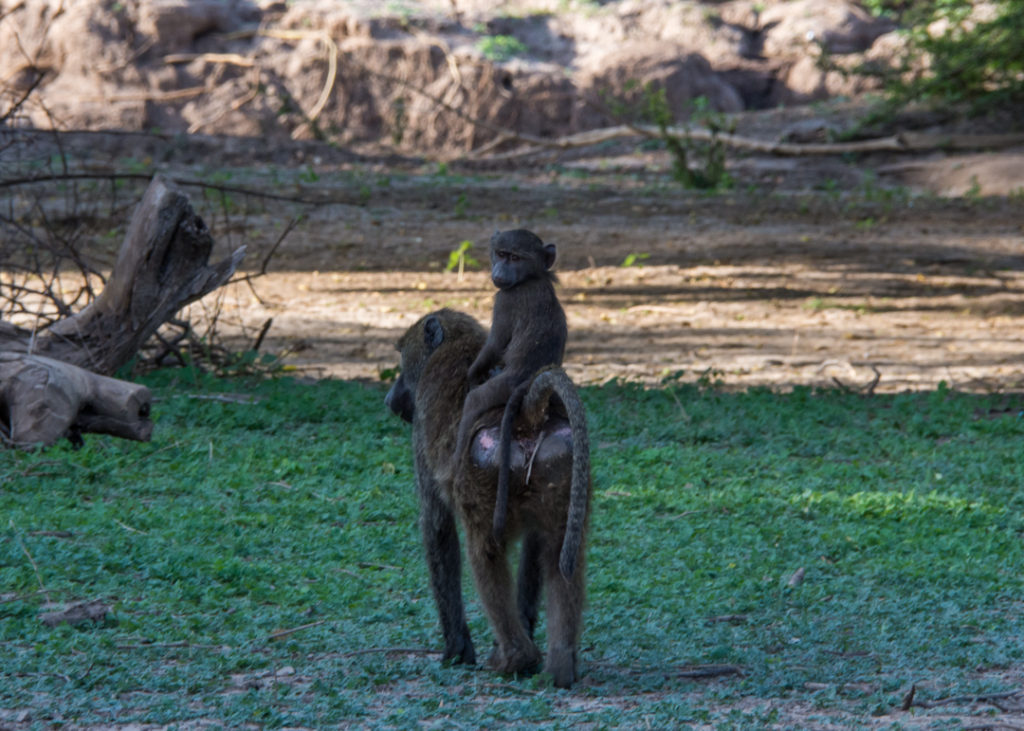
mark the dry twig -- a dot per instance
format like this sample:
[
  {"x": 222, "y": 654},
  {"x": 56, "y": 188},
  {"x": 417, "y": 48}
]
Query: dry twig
[
  {"x": 390, "y": 651},
  {"x": 263, "y": 333},
  {"x": 281, "y": 633},
  {"x": 707, "y": 671},
  {"x": 254, "y": 91},
  {"x": 867, "y": 389},
  {"x": 298, "y": 35},
  {"x": 968, "y": 699},
  {"x": 228, "y": 58},
  {"x": 727, "y": 619},
  {"x": 20, "y": 597},
  {"x": 35, "y": 567},
  {"x": 152, "y": 96}
]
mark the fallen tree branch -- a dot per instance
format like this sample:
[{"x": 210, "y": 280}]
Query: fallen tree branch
[{"x": 903, "y": 142}]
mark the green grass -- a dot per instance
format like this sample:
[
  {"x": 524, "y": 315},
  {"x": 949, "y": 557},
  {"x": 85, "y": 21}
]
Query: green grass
[{"x": 242, "y": 519}]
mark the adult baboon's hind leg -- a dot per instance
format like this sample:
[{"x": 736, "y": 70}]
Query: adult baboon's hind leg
[
  {"x": 515, "y": 651},
  {"x": 531, "y": 579},
  {"x": 564, "y": 618}
]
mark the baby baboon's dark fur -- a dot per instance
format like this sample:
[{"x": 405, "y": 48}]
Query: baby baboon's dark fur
[
  {"x": 549, "y": 510},
  {"x": 528, "y": 332}
]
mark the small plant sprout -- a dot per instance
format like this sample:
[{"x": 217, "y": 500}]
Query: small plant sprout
[
  {"x": 634, "y": 260},
  {"x": 460, "y": 258}
]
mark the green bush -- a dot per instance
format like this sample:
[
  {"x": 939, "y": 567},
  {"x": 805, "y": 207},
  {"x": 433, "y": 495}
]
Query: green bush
[
  {"x": 709, "y": 171},
  {"x": 957, "y": 55}
]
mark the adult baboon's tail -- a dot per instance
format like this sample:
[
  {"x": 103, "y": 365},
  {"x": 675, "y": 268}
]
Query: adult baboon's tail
[{"x": 535, "y": 404}]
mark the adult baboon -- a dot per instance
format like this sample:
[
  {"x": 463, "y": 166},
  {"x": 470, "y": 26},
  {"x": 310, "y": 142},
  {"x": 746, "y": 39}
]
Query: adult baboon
[{"x": 549, "y": 509}]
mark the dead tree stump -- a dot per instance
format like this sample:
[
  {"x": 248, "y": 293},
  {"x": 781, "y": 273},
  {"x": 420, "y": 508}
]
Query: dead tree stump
[{"x": 53, "y": 383}]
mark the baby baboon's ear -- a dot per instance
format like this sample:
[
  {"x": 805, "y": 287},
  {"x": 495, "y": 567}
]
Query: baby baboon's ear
[{"x": 549, "y": 255}]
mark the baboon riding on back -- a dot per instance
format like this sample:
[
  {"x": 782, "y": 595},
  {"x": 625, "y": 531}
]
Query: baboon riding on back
[{"x": 548, "y": 496}]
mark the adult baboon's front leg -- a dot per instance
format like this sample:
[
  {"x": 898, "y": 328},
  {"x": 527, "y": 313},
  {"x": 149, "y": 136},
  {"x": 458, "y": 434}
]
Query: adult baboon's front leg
[
  {"x": 515, "y": 651},
  {"x": 444, "y": 561}
]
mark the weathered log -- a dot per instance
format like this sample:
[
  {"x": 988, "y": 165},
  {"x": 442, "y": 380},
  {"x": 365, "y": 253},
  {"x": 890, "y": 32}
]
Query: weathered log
[
  {"x": 53, "y": 383},
  {"x": 161, "y": 267},
  {"x": 42, "y": 400}
]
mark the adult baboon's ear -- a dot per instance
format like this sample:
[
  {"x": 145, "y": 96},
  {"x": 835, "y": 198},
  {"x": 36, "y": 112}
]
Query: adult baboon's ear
[
  {"x": 433, "y": 333},
  {"x": 549, "y": 255}
]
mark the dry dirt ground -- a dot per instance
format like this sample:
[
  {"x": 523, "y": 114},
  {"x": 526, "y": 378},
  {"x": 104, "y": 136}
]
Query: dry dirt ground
[{"x": 754, "y": 287}]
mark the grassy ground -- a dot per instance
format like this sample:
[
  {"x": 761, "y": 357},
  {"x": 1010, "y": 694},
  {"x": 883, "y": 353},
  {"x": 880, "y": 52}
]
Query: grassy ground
[{"x": 261, "y": 564}]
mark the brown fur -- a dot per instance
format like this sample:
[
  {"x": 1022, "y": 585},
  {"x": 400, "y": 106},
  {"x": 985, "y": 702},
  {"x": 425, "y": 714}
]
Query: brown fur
[{"x": 550, "y": 510}]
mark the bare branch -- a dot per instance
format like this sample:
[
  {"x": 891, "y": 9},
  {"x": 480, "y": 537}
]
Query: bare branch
[{"x": 904, "y": 142}]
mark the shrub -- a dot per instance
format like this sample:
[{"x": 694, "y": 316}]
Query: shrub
[{"x": 960, "y": 53}]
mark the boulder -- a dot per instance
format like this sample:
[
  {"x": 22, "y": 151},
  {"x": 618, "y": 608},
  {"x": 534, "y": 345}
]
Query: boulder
[
  {"x": 683, "y": 75},
  {"x": 806, "y": 80},
  {"x": 172, "y": 25},
  {"x": 837, "y": 26}
]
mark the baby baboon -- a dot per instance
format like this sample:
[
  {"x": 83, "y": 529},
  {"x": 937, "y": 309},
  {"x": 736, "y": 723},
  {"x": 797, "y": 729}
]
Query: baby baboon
[
  {"x": 550, "y": 510},
  {"x": 528, "y": 332}
]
